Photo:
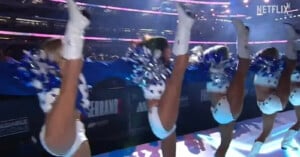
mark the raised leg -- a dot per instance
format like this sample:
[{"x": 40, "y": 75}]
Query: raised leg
[
  {"x": 283, "y": 88},
  {"x": 235, "y": 92},
  {"x": 61, "y": 126}
]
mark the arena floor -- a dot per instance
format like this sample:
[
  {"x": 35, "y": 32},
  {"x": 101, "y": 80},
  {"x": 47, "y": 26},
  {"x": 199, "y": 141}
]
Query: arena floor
[{"x": 204, "y": 143}]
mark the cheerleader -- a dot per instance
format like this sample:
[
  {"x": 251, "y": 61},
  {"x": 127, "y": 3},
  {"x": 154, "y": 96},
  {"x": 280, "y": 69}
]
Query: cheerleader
[
  {"x": 161, "y": 87},
  {"x": 226, "y": 84},
  {"x": 55, "y": 72},
  {"x": 294, "y": 100},
  {"x": 272, "y": 85}
]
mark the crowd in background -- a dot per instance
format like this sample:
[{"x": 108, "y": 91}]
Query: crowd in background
[{"x": 94, "y": 54}]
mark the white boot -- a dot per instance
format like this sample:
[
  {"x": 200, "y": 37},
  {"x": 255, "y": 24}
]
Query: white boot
[
  {"x": 255, "y": 149},
  {"x": 73, "y": 42},
  {"x": 288, "y": 139},
  {"x": 242, "y": 39},
  {"x": 292, "y": 45},
  {"x": 183, "y": 34},
  {"x": 76, "y": 17}
]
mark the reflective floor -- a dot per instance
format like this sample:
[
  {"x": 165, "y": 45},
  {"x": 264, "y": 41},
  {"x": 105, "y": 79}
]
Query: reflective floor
[{"x": 204, "y": 143}]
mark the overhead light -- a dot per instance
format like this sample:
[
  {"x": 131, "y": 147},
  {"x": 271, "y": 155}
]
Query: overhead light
[
  {"x": 245, "y": 1},
  {"x": 37, "y": 1},
  {"x": 5, "y": 17},
  {"x": 4, "y": 38},
  {"x": 266, "y": 1}
]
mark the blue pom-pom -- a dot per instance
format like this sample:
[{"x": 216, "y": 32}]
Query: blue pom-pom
[
  {"x": 36, "y": 72},
  {"x": 266, "y": 66},
  {"x": 217, "y": 64},
  {"x": 39, "y": 72},
  {"x": 147, "y": 69}
]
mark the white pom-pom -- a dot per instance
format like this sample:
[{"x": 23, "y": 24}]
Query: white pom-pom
[
  {"x": 216, "y": 70},
  {"x": 43, "y": 55},
  {"x": 51, "y": 57},
  {"x": 37, "y": 84},
  {"x": 198, "y": 50},
  {"x": 83, "y": 88},
  {"x": 146, "y": 50},
  {"x": 85, "y": 103},
  {"x": 35, "y": 71},
  {"x": 28, "y": 53},
  {"x": 47, "y": 99},
  {"x": 157, "y": 53}
]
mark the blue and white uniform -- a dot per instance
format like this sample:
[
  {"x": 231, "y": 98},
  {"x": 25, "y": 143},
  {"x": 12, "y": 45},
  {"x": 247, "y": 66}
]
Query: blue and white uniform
[
  {"x": 220, "y": 67},
  {"x": 294, "y": 97},
  {"x": 37, "y": 70},
  {"x": 150, "y": 74},
  {"x": 267, "y": 73}
]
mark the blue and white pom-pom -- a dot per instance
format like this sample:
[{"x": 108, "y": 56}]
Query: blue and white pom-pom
[
  {"x": 39, "y": 71},
  {"x": 220, "y": 67},
  {"x": 267, "y": 66},
  {"x": 267, "y": 70},
  {"x": 149, "y": 72},
  {"x": 296, "y": 74},
  {"x": 148, "y": 69}
]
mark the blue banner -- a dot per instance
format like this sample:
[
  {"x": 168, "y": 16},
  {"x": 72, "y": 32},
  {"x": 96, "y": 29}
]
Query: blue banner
[{"x": 94, "y": 73}]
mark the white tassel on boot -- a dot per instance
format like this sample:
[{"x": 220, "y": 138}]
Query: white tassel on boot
[
  {"x": 183, "y": 34},
  {"x": 242, "y": 39},
  {"x": 73, "y": 42},
  {"x": 255, "y": 149},
  {"x": 292, "y": 45},
  {"x": 288, "y": 139}
]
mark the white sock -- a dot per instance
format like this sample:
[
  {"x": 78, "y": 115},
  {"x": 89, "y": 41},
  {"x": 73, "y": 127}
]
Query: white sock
[
  {"x": 288, "y": 139},
  {"x": 255, "y": 149}
]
